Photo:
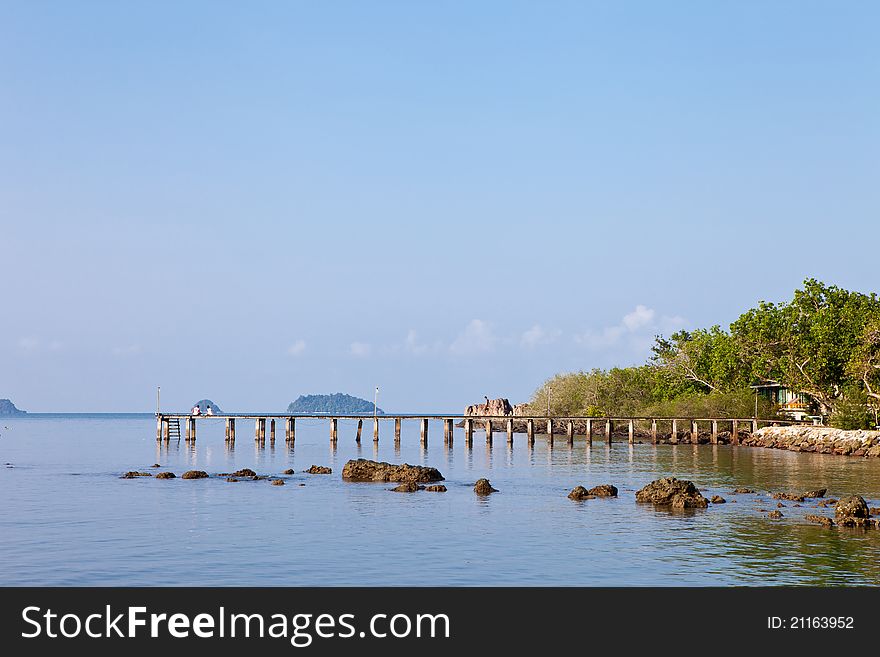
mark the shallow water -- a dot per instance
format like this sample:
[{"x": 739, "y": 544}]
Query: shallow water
[{"x": 69, "y": 519}]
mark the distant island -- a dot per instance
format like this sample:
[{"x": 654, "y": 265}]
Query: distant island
[
  {"x": 205, "y": 404},
  {"x": 8, "y": 409},
  {"x": 338, "y": 403}
]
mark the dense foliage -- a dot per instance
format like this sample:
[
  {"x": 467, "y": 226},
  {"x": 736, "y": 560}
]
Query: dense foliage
[
  {"x": 338, "y": 403},
  {"x": 824, "y": 343}
]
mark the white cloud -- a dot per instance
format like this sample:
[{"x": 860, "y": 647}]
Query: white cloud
[
  {"x": 637, "y": 328},
  {"x": 538, "y": 335},
  {"x": 297, "y": 348},
  {"x": 130, "y": 350},
  {"x": 360, "y": 349},
  {"x": 477, "y": 337},
  {"x": 31, "y": 344},
  {"x": 28, "y": 344},
  {"x": 641, "y": 316},
  {"x": 411, "y": 344}
]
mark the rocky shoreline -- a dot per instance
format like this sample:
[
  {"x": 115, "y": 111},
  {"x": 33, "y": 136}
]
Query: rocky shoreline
[{"x": 818, "y": 440}]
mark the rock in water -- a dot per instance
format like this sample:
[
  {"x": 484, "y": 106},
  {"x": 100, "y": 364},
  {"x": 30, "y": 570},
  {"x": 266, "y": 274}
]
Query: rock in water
[
  {"x": 775, "y": 515},
  {"x": 579, "y": 493},
  {"x": 822, "y": 520},
  {"x": 319, "y": 469},
  {"x": 436, "y": 488},
  {"x": 669, "y": 491},
  {"x": 820, "y": 492},
  {"x": 135, "y": 475},
  {"x": 365, "y": 470},
  {"x": 483, "y": 487},
  {"x": 277, "y": 482},
  {"x": 852, "y": 511},
  {"x": 194, "y": 474},
  {"x": 603, "y": 490},
  {"x": 166, "y": 475},
  {"x": 791, "y": 497},
  {"x": 407, "y": 487},
  {"x": 244, "y": 472},
  {"x": 495, "y": 407},
  {"x": 289, "y": 471},
  {"x": 717, "y": 499},
  {"x": 737, "y": 491}
]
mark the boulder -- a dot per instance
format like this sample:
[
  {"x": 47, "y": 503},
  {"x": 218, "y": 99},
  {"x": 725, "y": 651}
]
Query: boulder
[
  {"x": 231, "y": 480},
  {"x": 289, "y": 471},
  {"x": 194, "y": 474},
  {"x": 436, "y": 488},
  {"x": 717, "y": 499},
  {"x": 819, "y": 492},
  {"x": 155, "y": 465},
  {"x": 483, "y": 487},
  {"x": 319, "y": 469},
  {"x": 737, "y": 491},
  {"x": 365, "y": 470},
  {"x": 603, "y": 490},
  {"x": 579, "y": 493},
  {"x": 166, "y": 475},
  {"x": 407, "y": 487},
  {"x": 277, "y": 482},
  {"x": 822, "y": 520},
  {"x": 244, "y": 472},
  {"x": 775, "y": 515},
  {"x": 135, "y": 475},
  {"x": 852, "y": 511},
  {"x": 791, "y": 497},
  {"x": 669, "y": 491},
  {"x": 500, "y": 407}
]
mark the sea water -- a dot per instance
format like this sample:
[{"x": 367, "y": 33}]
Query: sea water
[{"x": 69, "y": 519}]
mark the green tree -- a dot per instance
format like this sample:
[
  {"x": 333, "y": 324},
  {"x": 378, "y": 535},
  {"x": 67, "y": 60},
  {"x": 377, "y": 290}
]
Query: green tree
[
  {"x": 707, "y": 360},
  {"x": 810, "y": 344}
]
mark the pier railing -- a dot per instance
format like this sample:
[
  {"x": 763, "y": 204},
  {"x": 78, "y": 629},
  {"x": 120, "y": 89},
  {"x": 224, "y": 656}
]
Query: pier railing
[{"x": 570, "y": 426}]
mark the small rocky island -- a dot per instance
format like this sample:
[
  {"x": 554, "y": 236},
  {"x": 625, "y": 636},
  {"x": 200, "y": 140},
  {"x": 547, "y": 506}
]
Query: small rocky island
[
  {"x": 8, "y": 409},
  {"x": 205, "y": 404},
  {"x": 336, "y": 404}
]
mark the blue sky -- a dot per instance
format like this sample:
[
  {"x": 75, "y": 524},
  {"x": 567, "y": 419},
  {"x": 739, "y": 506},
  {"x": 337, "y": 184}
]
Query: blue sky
[{"x": 252, "y": 201}]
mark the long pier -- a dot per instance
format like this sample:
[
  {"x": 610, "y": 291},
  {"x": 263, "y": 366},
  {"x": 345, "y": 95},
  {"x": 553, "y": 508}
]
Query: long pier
[{"x": 168, "y": 425}]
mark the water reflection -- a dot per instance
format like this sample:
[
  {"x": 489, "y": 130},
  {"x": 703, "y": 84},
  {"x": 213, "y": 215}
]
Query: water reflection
[{"x": 221, "y": 526}]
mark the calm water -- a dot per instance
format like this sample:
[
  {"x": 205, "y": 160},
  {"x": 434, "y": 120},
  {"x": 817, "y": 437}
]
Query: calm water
[{"x": 69, "y": 520}]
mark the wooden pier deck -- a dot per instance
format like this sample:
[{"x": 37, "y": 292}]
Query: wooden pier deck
[{"x": 168, "y": 425}]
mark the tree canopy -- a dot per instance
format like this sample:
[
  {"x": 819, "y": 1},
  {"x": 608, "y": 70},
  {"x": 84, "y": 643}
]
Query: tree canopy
[{"x": 824, "y": 343}]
